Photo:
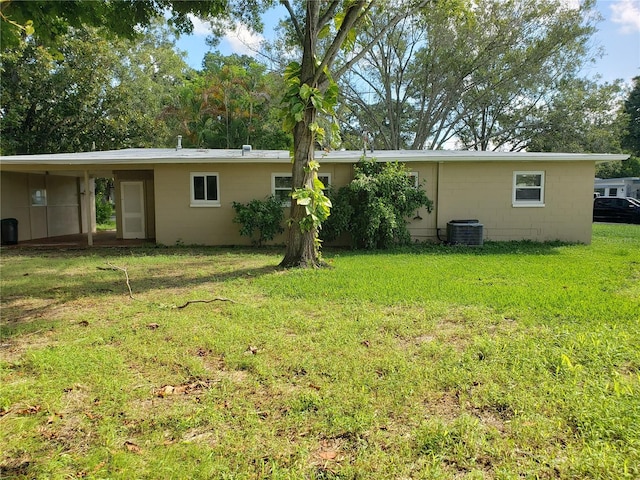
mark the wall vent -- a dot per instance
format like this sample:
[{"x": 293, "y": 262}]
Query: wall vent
[{"x": 465, "y": 232}]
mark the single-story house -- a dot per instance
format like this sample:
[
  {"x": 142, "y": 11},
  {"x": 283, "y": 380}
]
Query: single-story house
[
  {"x": 618, "y": 187},
  {"x": 185, "y": 195}
]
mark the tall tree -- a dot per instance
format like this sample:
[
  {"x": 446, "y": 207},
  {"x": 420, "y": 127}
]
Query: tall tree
[
  {"x": 540, "y": 44},
  {"x": 583, "y": 117},
  {"x": 327, "y": 30},
  {"x": 93, "y": 93},
  {"x": 230, "y": 103},
  {"x": 631, "y": 139},
  {"x": 379, "y": 88},
  {"x": 323, "y": 31},
  {"x": 49, "y": 20},
  {"x": 478, "y": 71}
]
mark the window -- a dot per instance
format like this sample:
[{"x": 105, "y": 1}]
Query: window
[
  {"x": 39, "y": 197},
  {"x": 205, "y": 190},
  {"x": 414, "y": 179},
  {"x": 281, "y": 185},
  {"x": 528, "y": 189}
]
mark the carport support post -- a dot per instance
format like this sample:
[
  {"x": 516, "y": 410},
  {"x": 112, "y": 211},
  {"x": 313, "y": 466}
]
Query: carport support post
[{"x": 87, "y": 208}]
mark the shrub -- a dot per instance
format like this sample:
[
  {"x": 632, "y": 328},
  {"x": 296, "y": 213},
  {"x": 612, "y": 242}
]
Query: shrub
[
  {"x": 375, "y": 206},
  {"x": 104, "y": 211},
  {"x": 104, "y": 207},
  {"x": 259, "y": 217}
]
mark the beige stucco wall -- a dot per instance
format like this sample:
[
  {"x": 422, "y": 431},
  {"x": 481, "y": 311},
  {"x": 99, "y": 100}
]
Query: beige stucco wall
[
  {"x": 483, "y": 191},
  {"x": 63, "y": 206},
  {"x": 422, "y": 226},
  {"x": 15, "y": 202},
  {"x": 177, "y": 221},
  {"x": 61, "y": 214},
  {"x": 459, "y": 190}
]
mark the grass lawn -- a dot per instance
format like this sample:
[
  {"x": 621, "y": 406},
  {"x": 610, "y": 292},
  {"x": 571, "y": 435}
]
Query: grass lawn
[{"x": 512, "y": 361}]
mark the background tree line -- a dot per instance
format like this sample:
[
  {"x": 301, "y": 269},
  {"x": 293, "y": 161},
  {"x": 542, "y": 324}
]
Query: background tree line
[{"x": 501, "y": 75}]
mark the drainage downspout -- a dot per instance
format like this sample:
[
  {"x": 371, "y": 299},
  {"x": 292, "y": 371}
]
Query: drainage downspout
[
  {"x": 87, "y": 208},
  {"x": 438, "y": 173}
]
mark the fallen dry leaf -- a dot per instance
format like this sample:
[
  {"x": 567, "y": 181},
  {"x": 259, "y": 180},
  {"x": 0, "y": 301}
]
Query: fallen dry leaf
[
  {"x": 31, "y": 410},
  {"x": 328, "y": 454},
  {"x": 166, "y": 390},
  {"x": 132, "y": 447},
  {"x": 53, "y": 418},
  {"x": 185, "y": 389}
]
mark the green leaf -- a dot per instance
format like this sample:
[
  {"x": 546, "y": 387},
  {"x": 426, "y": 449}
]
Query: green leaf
[
  {"x": 324, "y": 32},
  {"x": 305, "y": 92}
]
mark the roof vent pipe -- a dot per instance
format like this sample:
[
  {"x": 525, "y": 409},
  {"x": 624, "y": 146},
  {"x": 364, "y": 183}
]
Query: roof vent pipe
[
  {"x": 246, "y": 149},
  {"x": 179, "y": 146}
]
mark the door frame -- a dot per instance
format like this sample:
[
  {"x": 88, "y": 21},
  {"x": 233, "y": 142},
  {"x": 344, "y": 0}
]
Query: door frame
[{"x": 131, "y": 235}]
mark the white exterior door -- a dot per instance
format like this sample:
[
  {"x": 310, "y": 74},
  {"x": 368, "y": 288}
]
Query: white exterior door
[{"x": 132, "y": 201}]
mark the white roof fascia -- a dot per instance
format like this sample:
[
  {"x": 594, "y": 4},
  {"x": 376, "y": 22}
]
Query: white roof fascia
[{"x": 143, "y": 156}]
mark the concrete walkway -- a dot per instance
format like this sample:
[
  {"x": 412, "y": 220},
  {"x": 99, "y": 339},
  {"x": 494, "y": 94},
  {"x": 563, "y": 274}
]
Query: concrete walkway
[{"x": 100, "y": 239}]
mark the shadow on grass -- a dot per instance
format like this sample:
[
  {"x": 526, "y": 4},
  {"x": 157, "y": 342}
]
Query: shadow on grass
[{"x": 104, "y": 279}]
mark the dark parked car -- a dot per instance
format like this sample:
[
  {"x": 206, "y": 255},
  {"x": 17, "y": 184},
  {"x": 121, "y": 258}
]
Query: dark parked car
[{"x": 616, "y": 209}]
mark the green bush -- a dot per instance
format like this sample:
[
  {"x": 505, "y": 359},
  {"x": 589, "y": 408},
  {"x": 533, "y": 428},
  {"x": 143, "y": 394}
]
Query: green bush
[
  {"x": 259, "y": 217},
  {"x": 375, "y": 206},
  {"x": 104, "y": 208},
  {"x": 104, "y": 211}
]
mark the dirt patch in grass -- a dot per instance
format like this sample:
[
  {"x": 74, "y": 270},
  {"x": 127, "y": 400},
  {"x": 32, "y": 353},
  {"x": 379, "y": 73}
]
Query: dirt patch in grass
[
  {"x": 446, "y": 405},
  {"x": 13, "y": 349},
  {"x": 26, "y": 309}
]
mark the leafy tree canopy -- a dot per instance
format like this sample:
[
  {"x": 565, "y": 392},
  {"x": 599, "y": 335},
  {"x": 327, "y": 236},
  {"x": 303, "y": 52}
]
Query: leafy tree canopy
[
  {"x": 98, "y": 93},
  {"x": 631, "y": 139},
  {"x": 52, "y": 19}
]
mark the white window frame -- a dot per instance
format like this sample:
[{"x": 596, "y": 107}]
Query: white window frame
[
  {"x": 287, "y": 203},
  {"x": 38, "y": 197},
  {"x": 200, "y": 202},
  {"x": 415, "y": 177},
  {"x": 528, "y": 203}
]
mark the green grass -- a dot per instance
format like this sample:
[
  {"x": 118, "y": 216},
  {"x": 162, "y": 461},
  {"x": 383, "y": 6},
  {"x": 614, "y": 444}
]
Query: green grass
[
  {"x": 517, "y": 360},
  {"x": 110, "y": 225}
]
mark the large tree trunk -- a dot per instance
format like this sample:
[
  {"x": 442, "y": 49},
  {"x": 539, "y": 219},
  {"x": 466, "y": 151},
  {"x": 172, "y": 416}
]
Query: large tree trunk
[
  {"x": 302, "y": 250},
  {"x": 301, "y": 246}
]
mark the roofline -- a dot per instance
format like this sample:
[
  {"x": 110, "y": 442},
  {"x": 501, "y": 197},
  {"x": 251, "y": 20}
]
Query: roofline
[{"x": 143, "y": 156}]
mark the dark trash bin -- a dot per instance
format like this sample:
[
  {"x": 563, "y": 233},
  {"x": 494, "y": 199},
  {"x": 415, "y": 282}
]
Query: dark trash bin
[{"x": 9, "y": 231}]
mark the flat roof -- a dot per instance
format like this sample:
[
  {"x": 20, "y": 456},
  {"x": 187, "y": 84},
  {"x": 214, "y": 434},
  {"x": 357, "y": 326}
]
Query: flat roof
[{"x": 148, "y": 156}]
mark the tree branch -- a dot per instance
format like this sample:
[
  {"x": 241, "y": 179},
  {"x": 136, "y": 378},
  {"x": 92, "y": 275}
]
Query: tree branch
[
  {"x": 217, "y": 299},
  {"x": 354, "y": 13},
  {"x": 294, "y": 20},
  {"x": 330, "y": 13},
  {"x": 394, "y": 21},
  {"x": 114, "y": 267}
]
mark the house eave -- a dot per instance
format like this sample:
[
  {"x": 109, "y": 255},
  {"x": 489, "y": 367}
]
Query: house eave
[{"x": 149, "y": 157}]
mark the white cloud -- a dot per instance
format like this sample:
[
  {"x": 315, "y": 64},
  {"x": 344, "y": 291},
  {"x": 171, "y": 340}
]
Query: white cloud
[
  {"x": 571, "y": 4},
  {"x": 200, "y": 27},
  {"x": 243, "y": 41},
  {"x": 626, "y": 13},
  {"x": 240, "y": 39}
]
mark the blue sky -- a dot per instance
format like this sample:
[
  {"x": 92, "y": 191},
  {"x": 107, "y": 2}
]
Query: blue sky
[{"x": 618, "y": 35}]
